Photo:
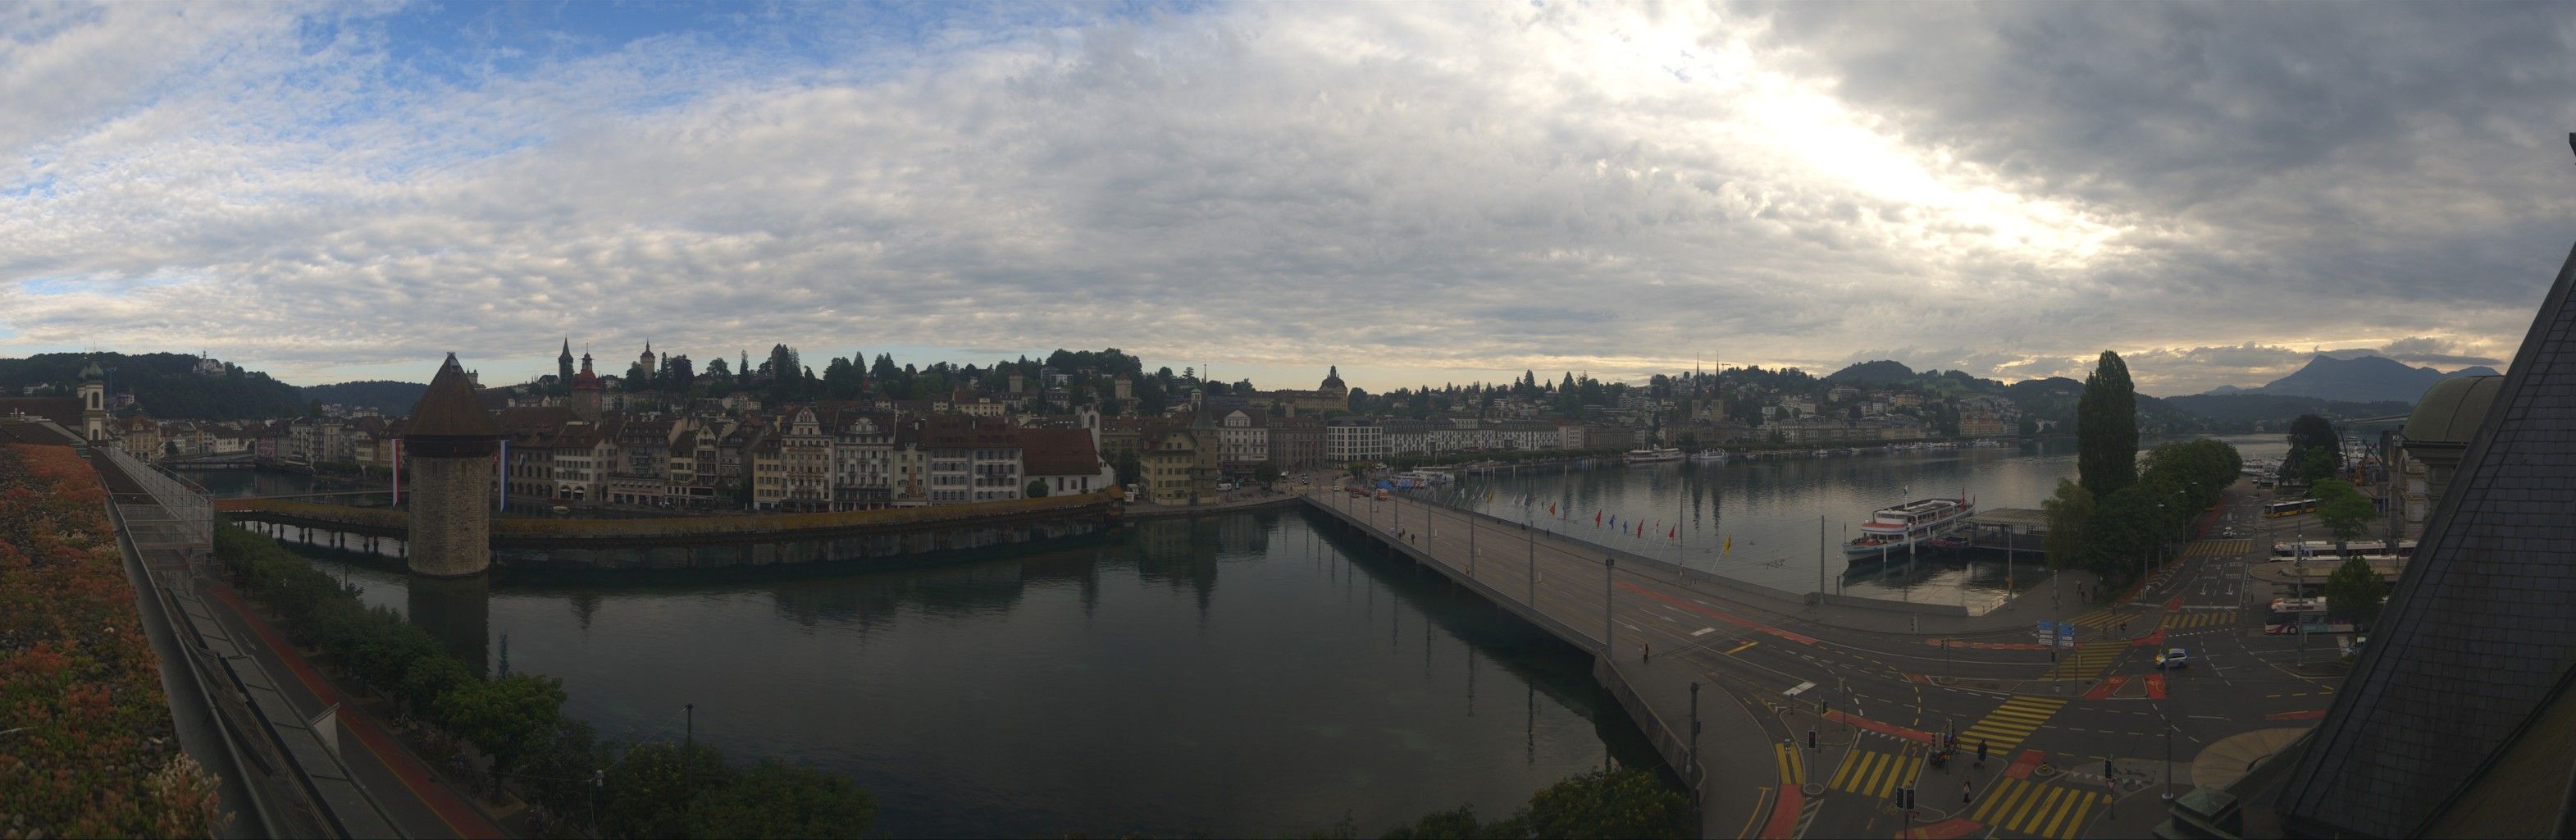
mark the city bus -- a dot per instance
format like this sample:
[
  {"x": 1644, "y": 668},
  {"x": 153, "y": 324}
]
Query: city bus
[
  {"x": 2289, "y": 614},
  {"x": 2277, "y": 510}
]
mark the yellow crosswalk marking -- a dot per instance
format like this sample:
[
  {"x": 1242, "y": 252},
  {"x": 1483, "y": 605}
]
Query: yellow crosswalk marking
[
  {"x": 1793, "y": 764},
  {"x": 2006, "y": 726},
  {"x": 2192, "y": 620},
  {"x": 2028, "y": 807},
  {"x": 2086, "y": 661},
  {"x": 2098, "y": 618},
  {"x": 1875, "y": 774},
  {"x": 2219, "y": 548}
]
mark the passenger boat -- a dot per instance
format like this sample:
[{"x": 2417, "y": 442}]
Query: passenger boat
[
  {"x": 1654, "y": 456},
  {"x": 1894, "y": 529},
  {"x": 1709, "y": 455}
]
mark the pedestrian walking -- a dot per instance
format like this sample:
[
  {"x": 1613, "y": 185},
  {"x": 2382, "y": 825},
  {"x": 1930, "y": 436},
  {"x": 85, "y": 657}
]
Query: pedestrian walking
[
  {"x": 1981, "y": 752},
  {"x": 1649, "y": 651},
  {"x": 1965, "y": 794}
]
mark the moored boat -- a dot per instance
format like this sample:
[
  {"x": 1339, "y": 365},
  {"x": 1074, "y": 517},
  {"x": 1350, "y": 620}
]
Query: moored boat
[
  {"x": 1895, "y": 529},
  {"x": 1654, "y": 456}
]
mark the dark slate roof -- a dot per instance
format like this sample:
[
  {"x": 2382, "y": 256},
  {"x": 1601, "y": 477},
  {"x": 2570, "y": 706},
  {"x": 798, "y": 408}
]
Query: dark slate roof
[
  {"x": 449, "y": 409},
  {"x": 2479, "y": 632}
]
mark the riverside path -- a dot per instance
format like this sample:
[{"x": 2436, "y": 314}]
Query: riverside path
[{"x": 1815, "y": 716}]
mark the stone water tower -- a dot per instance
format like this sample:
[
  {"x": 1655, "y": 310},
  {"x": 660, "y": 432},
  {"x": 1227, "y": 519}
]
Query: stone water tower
[{"x": 448, "y": 444}]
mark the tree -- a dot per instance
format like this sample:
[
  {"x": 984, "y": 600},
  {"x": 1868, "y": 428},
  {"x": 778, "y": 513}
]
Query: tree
[
  {"x": 2068, "y": 510},
  {"x": 649, "y": 790},
  {"x": 502, "y": 715},
  {"x": 2123, "y": 527},
  {"x": 770, "y": 799},
  {"x": 1129, "y": 467},
  {"x": 2106, "y": 428},
  {"x": 2344, "y": 510},
  {"x": 1037, "y": 489},
  {"x": 2353, "y": 592},
  {"x": 1266, "y": 472},
  {"x": 2315, "y": 450},
  {"x": 721, "y": 373},
  {"x": 430, "y": 677},
  {"x": 1619, "y": 803}
]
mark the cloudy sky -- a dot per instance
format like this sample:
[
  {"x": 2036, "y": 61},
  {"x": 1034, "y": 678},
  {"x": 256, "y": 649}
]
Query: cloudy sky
[{"x": 1413, "y": 191}]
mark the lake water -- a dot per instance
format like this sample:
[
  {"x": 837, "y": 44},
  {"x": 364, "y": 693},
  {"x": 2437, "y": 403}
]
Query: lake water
[
  {"x": 1760, "y": 521},
  {"x": 1240, "y": 675}
]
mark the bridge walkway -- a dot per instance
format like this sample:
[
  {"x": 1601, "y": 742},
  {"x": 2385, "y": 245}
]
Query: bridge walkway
[{"x": 1665, "y": 638}]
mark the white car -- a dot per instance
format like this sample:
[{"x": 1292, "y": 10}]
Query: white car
[{"x": 2175, "y": 658}]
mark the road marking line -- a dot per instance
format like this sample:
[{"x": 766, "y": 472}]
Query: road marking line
[
  {"x": 1741, "y": 647},
  {"x": 1801, "y": 687},
  {"x": 1703, "y": 631}
]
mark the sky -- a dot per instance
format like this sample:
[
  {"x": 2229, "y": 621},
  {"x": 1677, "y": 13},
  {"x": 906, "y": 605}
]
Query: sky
[{"x": 1415, "y": 192}]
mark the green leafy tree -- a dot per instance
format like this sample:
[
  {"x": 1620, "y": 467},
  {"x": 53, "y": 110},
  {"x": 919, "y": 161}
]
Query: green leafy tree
[
  {"x": 2315, "y": 450},
  {"x": 2344, "y": 510},
  {"x": 2067, "y": 511},
  {"x": 502, "y": 715},
  {"x": 1037, "y": 489},
  {"x": 1130, "y": 467},
  {"x": 429, "y": 678},
  {"x": 651, "y": 788},
  {"x": 2106, "y": 428},
  {"x": 2123, "y": 527},
  {"x": 770, "y": 799},
  {"x": 1618, "y": 803},
  {"x": 2353, "y": 592},
  {"x": 1266, "y": 472}
]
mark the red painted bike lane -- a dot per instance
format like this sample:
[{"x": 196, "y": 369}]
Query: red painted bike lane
[{"x": 452, "y": 809}]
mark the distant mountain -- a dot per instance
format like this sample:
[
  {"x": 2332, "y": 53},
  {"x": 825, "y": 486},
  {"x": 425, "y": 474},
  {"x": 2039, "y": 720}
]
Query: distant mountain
[
  {"x": 1881, "y": 372},
  {"x": 170, "y": 386},
  {"x": 2223, "y": 390},
  {"x": 393, "y": 398},
  {"x": 2363, "y": 379},
  {"x": 2242, "y": 412}
]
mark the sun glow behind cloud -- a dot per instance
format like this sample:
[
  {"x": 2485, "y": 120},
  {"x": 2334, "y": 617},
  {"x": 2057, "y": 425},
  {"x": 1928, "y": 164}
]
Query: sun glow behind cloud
[{"x": 1476, "y": 189}]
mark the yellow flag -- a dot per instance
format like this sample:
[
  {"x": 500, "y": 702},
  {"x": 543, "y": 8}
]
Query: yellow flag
[{"x": 1730, "y": 545}]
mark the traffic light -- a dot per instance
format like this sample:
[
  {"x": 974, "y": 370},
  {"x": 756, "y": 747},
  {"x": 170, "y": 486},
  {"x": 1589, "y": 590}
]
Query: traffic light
[
  {"x": 1905, "y": 798},
  {"x": 2107, "y": 772}
]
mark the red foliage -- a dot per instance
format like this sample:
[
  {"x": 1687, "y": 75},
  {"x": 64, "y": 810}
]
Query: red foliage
[{"x": 97, "y": 757}]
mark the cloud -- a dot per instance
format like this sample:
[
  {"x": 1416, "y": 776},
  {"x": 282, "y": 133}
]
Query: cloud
[{"x": 1470, "y": 189}]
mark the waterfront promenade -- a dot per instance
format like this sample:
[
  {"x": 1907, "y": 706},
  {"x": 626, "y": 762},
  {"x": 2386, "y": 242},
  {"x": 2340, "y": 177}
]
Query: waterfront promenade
[{"x": 1814, "y": 715}]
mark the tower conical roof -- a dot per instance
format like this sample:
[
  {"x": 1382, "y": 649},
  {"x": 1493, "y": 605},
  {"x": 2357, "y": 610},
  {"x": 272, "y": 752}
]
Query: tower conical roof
[
  {"x": 91, "y": 372},
  {"x": 449, "y": 409}
]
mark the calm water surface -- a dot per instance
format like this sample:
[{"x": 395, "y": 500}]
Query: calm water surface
[
  {"x": 1759, "y": 521},
  {"x": 1239, "y": 675}
]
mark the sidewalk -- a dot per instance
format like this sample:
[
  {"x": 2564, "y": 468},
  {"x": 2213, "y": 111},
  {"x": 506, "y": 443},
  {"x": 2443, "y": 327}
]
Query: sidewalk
[{"x": 410, "y": 792}]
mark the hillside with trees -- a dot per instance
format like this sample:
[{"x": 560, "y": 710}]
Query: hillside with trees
[
  {"x": 385, "y": 396},
  {"x": 166, "y": 385}
]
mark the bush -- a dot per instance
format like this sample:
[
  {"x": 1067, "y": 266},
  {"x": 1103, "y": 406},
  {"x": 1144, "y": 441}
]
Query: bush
[
  {"x": 94, "y": 754},
  {"x": 1619, "y": 803}
]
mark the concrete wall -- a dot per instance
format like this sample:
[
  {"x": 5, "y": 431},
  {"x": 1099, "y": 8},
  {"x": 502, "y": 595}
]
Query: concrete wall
[
  {"x": 890, "y": 547},
  {"x": 451, "y": 516}
]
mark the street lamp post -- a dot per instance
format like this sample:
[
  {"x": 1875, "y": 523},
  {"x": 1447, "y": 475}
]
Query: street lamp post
[
  {"x": 1699, "y": 786},
  {"x": 1608, "y": 627}
]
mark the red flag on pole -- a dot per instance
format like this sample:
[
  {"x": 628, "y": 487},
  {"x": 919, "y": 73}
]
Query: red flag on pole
[
  {"x": 1674, "y": 532},
  {"x": 1596, "y": 519}
]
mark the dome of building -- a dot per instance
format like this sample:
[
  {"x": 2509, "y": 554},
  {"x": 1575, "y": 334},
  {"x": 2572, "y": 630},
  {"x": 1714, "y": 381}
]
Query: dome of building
[
  {"x": 2451, "y": 410},
  {"x": 91, "y": 372},
  {"x": 1333, "y": 379}
]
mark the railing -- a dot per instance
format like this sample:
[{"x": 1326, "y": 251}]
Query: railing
[
  {"x": 767, "y": 523},
  {"x": 173, "y": 512}
]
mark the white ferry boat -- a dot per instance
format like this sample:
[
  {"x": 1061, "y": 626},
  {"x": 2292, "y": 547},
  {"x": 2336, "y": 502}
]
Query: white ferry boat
[
  {"x": 1653, "y": 456},
  {"x": 1892, "y": 530},
  {"x": 1710, "y": 455}
]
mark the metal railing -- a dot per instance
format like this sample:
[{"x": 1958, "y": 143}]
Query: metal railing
[{"x": 172, "y": 512}]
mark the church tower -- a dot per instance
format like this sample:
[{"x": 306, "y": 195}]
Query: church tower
[
  {"x": 563, "y": 364},
  {"x": 449, "y": 443},
  {"x": 585, "y": 392},
  {"x": 649, "y": 369},
  {"x": 93, "y": 397}
]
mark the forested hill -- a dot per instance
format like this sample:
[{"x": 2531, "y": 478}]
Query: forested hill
[
  {"x": 164, "y": 385},
  {"x": 388, "y": 397}
]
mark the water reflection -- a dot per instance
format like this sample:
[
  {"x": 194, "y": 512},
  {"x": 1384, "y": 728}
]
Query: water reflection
[{"x": 1111, "y": 688}]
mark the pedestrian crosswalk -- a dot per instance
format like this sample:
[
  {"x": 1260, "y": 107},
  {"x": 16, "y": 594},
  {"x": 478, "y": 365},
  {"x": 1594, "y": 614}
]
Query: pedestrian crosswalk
[
  {"x": 2219, "y": 548},
  {"x": 2006, "y": 726},
  {"x": 2037, "y": 809},
  {"x": 1876, "y": 774},
  {"x": 2098, "y": 619},
  {"x": 2086, "y": 661},
  {"x": 1793, "y": 764},
  {"x": 2193, "y": 620}
]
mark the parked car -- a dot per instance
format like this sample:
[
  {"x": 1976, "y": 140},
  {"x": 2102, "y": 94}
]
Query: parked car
[{"x": 2175, "y": 658}]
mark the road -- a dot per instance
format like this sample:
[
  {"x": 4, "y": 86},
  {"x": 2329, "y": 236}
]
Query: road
[{"x": 1873, "y": 695}]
